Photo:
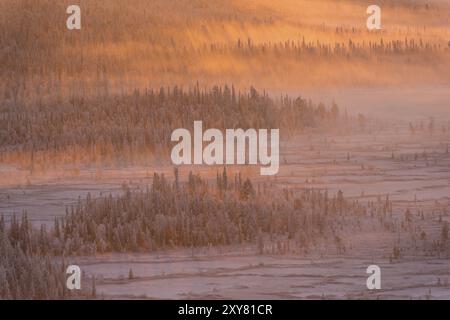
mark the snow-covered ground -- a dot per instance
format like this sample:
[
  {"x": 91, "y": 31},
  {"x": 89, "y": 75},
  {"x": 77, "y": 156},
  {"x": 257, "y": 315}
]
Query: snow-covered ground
[{"x": 242, "y": 275}]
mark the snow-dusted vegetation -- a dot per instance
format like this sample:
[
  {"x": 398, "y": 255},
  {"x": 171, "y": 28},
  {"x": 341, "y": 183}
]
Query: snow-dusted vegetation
[
  {"x": 193, "y": 214},
  {"x": 86, "y": 117},
  {"x": 123, "y": 127}
]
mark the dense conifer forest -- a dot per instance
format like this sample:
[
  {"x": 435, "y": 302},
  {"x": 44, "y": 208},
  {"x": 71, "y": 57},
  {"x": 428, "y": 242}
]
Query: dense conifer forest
[{"x": 123, "y": 126}]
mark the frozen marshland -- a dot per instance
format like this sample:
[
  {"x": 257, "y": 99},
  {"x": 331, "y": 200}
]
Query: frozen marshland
[{"x": 411, "y": 169}]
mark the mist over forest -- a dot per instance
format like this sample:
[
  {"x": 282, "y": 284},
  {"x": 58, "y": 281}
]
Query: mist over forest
[{"x": 86, "y": 177}]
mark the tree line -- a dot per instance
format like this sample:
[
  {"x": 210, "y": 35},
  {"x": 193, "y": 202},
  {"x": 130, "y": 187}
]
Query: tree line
[{"x": 124, "y": 125}]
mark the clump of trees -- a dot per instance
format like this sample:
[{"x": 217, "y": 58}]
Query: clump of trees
[{"x": 197, "y": 213}]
